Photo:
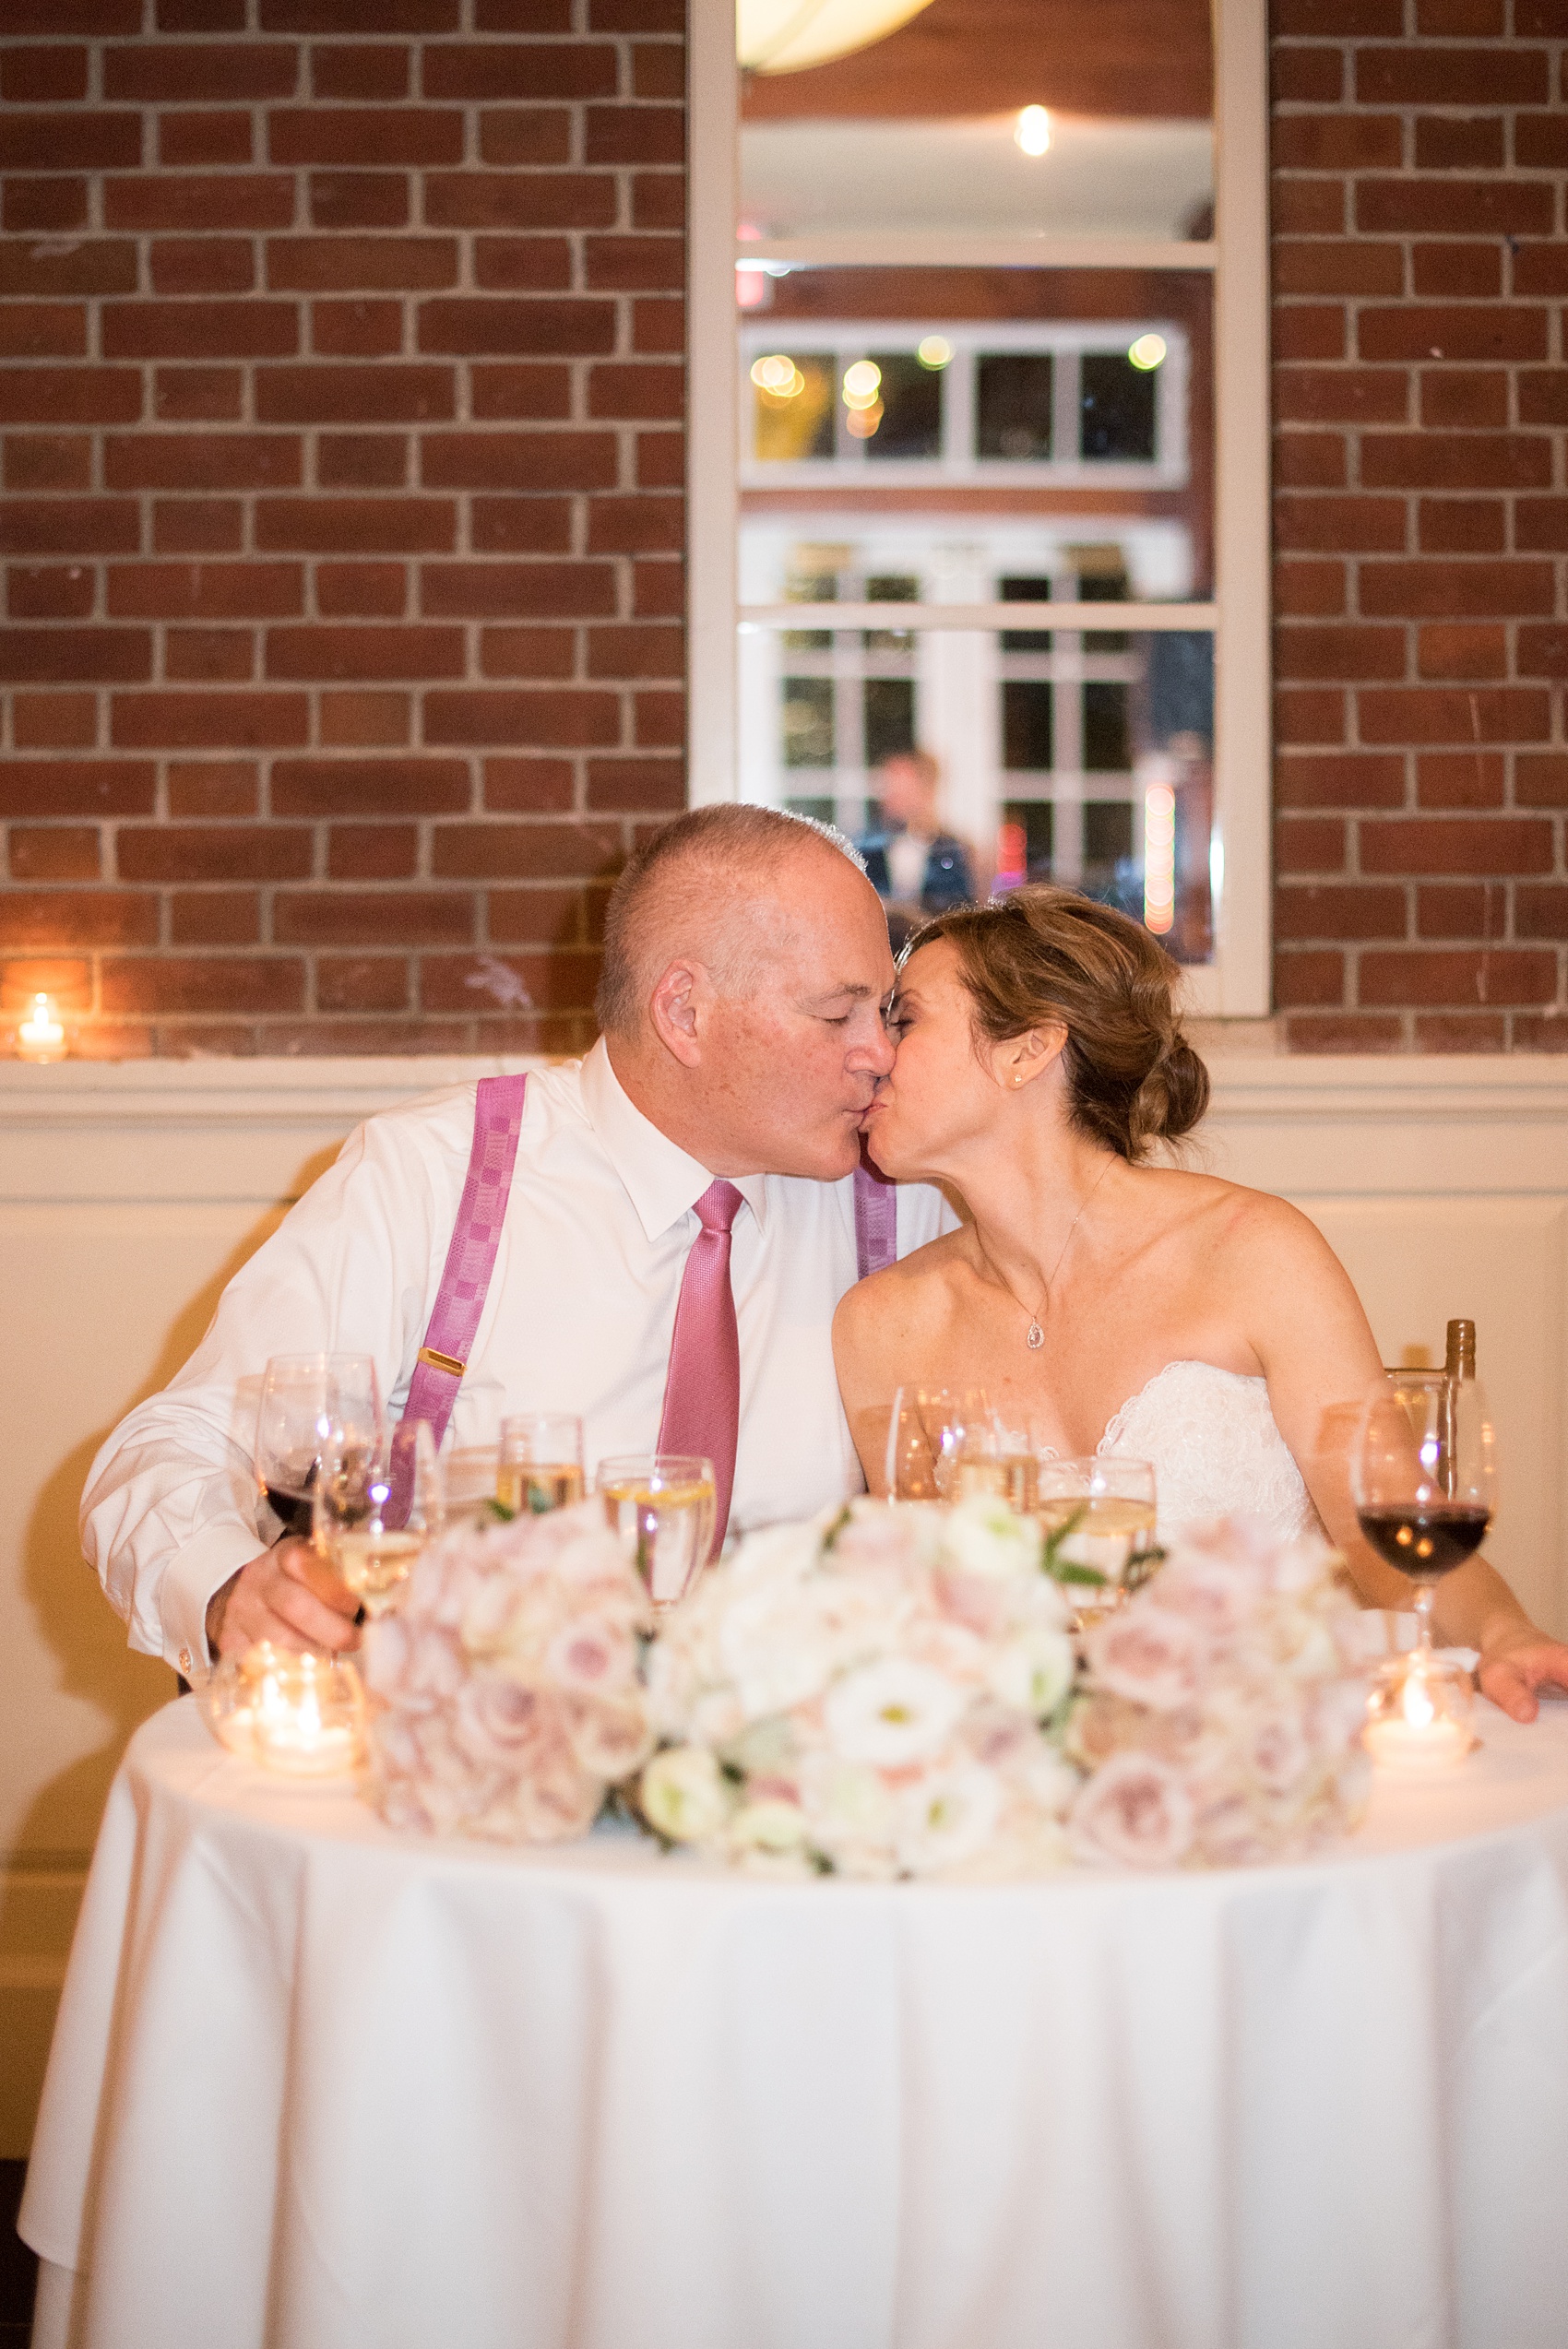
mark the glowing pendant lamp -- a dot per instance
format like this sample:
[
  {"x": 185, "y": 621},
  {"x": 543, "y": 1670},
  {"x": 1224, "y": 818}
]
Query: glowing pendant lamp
[{"x": 783, "y": 36}]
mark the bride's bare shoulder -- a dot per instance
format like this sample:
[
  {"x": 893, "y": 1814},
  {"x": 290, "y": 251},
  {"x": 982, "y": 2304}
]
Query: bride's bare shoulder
[
  {"x": 914, "y": 1291},
  {"x": 1249, "y": 1228}
]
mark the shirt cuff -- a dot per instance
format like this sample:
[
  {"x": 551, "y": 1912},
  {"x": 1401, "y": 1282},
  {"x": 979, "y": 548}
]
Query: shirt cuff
[{"x": 188, "y": 1582}]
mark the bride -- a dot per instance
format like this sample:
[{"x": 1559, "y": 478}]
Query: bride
[{"x": 1115, "y": 1303}]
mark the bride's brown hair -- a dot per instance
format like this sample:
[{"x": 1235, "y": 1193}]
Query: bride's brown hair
[{"x": 1046, "y": 956}]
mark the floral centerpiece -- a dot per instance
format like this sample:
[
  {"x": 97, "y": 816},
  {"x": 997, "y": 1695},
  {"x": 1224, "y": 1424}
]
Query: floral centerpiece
[
  {"x": 1219, "y": 1712},
  {"x": 508, "y": 1684},
  {"x": 873, "y": 1692}
]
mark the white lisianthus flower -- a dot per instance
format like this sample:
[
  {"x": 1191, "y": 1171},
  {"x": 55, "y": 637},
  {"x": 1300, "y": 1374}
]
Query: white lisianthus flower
[
  {"x": 947, "y": 1818},
  {"x": 1033, "y": 1671},
  {"x": 891, "y": 1714},
  {"x": 848, "y": 1805},
  {"x": 983, "y": 1536},
  {"x": 685, "y": 1795},
  {"x": 772, "y": 1828}
]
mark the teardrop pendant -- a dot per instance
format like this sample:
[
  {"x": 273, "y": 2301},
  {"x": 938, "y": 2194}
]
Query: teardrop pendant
[{"x": 1036, "y": 1337}]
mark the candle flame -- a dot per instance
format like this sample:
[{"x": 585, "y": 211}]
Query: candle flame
[
  {"x": 1416, "y": 1704},
  {"x": 40, "y": 1036}
]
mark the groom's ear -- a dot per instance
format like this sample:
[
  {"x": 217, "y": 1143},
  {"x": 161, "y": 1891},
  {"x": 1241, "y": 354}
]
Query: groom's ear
[{"x": 675, "y": 1010}]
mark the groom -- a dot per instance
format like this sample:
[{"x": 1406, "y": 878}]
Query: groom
[{"x": 698, "y": 1159}]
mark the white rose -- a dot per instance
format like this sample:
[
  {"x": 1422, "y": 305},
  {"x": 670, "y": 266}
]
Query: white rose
[
  {"x": 685, "y": 1795},
  {"x": 773, "y": 1647},
  {"x": 984, "y": 1537},
  {"x": 892, "y": 1713},
  {"x": 785, "y": 1553},
  {"x": 1033, "y": 1671},
  {"x": 948, "y": 1817}
]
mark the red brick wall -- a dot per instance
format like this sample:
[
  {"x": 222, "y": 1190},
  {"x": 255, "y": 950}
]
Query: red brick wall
[
  {"x": 340, "y": 430},
  {"x": 342, "y": 459},
  {"x": 1420, "y": 154}
]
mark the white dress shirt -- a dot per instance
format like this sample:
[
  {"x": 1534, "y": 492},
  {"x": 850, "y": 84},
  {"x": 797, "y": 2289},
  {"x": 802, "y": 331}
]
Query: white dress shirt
[{"x": 578, "y": 1317}]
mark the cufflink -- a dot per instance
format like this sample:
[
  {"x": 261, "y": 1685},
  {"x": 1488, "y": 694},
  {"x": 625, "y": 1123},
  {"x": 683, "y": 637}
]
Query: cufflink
[{"x": 185, "y": 1666}]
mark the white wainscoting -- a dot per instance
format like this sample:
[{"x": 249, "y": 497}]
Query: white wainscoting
[{"x": 128, "y": 1194}]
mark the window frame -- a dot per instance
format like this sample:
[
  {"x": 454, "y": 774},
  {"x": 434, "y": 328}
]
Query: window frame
[{"x": 1238, "y": 982}]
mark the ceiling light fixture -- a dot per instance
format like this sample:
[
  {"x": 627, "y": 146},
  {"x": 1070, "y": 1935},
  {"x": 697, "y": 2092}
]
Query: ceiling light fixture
[{"x": 785, "y": 36}]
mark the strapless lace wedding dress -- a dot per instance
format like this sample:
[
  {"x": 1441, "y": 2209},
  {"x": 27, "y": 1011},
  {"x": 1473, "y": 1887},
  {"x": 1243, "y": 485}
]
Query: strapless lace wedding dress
[{"x": 1215, "y": 1447}]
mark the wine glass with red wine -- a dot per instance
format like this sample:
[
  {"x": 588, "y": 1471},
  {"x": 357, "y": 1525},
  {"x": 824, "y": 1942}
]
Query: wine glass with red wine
[
  {"x": 311, "y": 1403},
  {"x": 1425, "y": 1479}
]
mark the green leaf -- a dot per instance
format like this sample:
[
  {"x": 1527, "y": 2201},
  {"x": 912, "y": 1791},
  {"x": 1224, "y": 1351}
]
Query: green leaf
[
  {"x": 836, "y": 1527},
  {"x": 500, "y": 1512},
  {"x": 1056, "y": 1566}
]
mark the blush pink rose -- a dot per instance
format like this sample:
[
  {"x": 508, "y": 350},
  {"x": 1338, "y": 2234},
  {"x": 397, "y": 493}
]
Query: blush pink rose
[
  {"x": 492, "y": 1721},
  {"x": 1148, "y": 1654},
  {"x": 1135, "y": 1811},
  {"x": 588, "y": 1655}
]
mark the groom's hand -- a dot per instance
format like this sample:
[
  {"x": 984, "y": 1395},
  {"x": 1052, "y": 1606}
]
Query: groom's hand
[
  {"x": 289, "y": 1595},
  {"x": 1518, "y": 1665}
]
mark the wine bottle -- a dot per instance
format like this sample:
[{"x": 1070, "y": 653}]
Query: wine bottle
[{"x": 1459, "y": 1366}]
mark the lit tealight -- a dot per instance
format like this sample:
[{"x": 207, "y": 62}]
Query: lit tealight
[
  {"x": 933, "y": 351},
  {"x": 1419, "y": 1716},
  {"x": 1031, "y": 132},
  {"x": 1147, "y": 352},
  {"x": 41, "y": 1036}
]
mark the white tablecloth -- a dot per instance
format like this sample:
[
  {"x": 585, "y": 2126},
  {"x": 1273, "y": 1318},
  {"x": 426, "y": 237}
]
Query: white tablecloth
[{"x": 318, "y": 2085}]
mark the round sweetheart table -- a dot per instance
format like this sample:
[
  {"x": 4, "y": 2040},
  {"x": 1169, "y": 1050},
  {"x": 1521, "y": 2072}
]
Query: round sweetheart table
[{"x": 318, "y": 2085}]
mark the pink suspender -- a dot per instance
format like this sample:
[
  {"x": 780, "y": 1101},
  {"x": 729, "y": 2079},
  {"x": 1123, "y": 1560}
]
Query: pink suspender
[
  {"x": 876, "y": 1220},
  {"x": 476, "y": 1240},
  {"x": 465, "y": 1278}
]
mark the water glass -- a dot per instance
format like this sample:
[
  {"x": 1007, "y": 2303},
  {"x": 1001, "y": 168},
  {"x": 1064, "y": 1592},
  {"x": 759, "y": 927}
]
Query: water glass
[
  {"x": 541, "y": 1462},
  {"x": 664, "y": 1504}
]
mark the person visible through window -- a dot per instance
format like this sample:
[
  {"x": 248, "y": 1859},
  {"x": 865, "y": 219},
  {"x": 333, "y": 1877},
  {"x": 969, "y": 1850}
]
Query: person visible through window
[{"x": 912, "y": 861}]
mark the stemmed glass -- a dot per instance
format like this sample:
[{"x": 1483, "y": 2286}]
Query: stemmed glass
[
  {"x": 307, "y": 1402},
  {"x": 360, "y": 1525},
  {"x": 1425, "y": 1480},
  {"x": 1107, "y": 1499},
  {"x": 942, "y": 1444}
]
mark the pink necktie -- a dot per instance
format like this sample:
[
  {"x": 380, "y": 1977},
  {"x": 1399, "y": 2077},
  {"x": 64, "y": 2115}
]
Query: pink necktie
[{"x": 701, "y": 1391}]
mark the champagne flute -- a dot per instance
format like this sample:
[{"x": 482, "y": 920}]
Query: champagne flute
[
  {"x": 306, "y": 1401},
  {"x": 942, "y": 1445},
  {"x": 541, "y": 1462},
  {"x": 1107, "y": 1501},
  {"x": 356, "y": 1513},
  {"x": 663, "y": 1505},
  {"x": 1424, "y": 1479}
]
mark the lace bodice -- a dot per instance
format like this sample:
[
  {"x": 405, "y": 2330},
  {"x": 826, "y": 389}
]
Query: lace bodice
[{"x": 1215, "y": 1446}]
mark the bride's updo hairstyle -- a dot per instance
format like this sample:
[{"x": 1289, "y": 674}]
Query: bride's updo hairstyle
[{"x": 1045, "y": 956}]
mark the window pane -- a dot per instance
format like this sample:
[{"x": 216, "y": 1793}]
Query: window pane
[
  {"x": 1016, "y": 590},
  {"x": 902, "y": 587},
  {"x": 1092, "y": 769},
  {"x": 1101, "y": 579},
  {"x": 1107, "y": 740},
  {"x": 1025, "y": 857},
  {"x": 909, "y": 423},
  {"x": 1025, "y": 727},
  {"x": 1012, "y": 405},
  {"x": 808, "y": 721},
  {"x": 890, "y": 718},
  {"x": 791, "y": 407},
  {"x": 803, "y": 585},
  {"x": 1116, "y": 408}
]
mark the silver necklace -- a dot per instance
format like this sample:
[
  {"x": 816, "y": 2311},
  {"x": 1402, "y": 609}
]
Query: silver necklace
[{"x": 1034, "y": 1337}]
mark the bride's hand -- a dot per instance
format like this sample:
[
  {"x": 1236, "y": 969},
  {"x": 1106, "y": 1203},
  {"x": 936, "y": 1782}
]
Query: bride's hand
[{"x": 1512, "y": 1668}]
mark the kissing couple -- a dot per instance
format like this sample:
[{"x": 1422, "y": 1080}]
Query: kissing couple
[{"x": 675, "y": 1239}]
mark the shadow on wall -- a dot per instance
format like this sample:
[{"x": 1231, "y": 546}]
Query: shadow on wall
[{"x": 76, "y": 1623}]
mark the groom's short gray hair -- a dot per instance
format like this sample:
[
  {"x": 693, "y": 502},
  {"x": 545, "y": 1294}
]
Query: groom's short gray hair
[{"x": 713, "y": 860}]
